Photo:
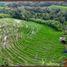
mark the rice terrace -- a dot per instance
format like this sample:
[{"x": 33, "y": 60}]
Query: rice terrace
[{"x": 31, "y": 33}]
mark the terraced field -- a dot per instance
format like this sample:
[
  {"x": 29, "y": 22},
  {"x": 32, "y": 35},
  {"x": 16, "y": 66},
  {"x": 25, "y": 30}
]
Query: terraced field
[{"x": 37, "y": 44}]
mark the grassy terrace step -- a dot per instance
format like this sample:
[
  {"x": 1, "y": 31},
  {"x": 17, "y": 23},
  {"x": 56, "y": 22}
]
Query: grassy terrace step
[
  {"x": 11, "y": 57},
  {"x": 21, "y": 54},
  {"x": 19, "y": 47}
]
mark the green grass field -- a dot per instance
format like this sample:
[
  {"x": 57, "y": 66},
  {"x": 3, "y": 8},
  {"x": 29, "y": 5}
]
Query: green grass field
[
  {"x": 39, "y": 45},
  {"x": 64, "y": 8}
]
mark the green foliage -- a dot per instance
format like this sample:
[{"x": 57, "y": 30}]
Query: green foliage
[
  {"x": 40, "y": 28},
  {"x": 52, "y": 23}
]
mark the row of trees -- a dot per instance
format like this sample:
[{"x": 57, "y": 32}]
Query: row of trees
[{"x": 46, "y": 14}]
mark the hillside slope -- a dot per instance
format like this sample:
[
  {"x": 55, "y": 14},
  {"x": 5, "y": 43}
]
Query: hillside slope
[{"x": 38, "y": 45}]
